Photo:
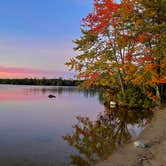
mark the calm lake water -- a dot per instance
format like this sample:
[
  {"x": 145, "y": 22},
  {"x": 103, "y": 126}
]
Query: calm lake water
[{"x": 38, "y": 131}]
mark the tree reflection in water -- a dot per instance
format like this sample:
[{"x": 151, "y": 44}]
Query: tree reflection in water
[{"x": 96, "y": 140}]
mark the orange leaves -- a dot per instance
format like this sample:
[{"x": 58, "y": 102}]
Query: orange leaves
[
  {"x": 163, "y": 65},
  {"x": 129, "y": 68},
  {"x": 89, "y": 75},
  {"x": 140, "y": 38},
  {"x": 129, "y": 71},
  {"x": 159, "y": 35},
  {"x": 162, "y": 80},
  {"x": 132, "y": 68},
  {"x": 151, "y": 96},
  {"x": 142, "y": 59},
  {"x": 83, "y": 75},
  {"x": 138, "y": 22},
  {"x": 150, "y": 66},
  {"x": 127, "y": 9}
]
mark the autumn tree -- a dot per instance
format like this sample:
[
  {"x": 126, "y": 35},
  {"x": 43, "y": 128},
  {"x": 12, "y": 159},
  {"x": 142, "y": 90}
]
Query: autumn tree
[
  {"x": 100, "y": 54},
  {"x": 123, "y": 44},
  {"x": 146, "y": 29}
]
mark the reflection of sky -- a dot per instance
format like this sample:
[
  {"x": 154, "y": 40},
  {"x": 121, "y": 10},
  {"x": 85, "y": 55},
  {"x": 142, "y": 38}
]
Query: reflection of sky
[{"x": 33, "y": 127}]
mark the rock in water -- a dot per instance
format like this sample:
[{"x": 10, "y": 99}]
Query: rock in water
[
  {"x": 51, "y": 96},
  {"x": 140, "y": 144},
  {"x": 112, "y": 104}
]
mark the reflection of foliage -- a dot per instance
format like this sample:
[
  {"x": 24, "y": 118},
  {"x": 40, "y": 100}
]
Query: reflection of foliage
[
  {"x": 88, "y": 138},
  {"x": 78, "y": 160},
  {"x": 90, "y": 92},
  {"x": 97, "y": 139}
]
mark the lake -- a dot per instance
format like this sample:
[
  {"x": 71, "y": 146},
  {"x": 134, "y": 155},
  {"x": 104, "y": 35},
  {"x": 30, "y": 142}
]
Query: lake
[{"x": 38, "y": 131}]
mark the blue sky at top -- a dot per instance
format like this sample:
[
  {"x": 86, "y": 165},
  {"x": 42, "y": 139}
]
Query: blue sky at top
[
  {"x": 42, "y": 18},
  {"x": 38, "y": 34}
]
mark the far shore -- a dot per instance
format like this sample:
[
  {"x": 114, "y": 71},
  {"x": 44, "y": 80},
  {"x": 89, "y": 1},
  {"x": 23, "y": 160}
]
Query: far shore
[
  {"x": 40, "y": 81},
  {"x": 154, "y": 135}
]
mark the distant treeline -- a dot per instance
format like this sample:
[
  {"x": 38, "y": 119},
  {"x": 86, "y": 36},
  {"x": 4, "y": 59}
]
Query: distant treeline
[{"x": 43, "y": 81}]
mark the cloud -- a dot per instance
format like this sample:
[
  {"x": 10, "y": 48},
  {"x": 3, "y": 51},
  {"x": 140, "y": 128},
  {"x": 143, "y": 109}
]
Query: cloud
[{"x": 19, "y": 72}]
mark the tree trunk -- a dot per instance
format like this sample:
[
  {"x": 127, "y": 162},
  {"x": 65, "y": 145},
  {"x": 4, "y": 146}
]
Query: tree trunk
[{"x": 158, "y": 95}]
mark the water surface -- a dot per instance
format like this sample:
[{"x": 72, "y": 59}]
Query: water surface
[
  {"x": 32, "y": 125},
  {"x": 73, "y": 128}
]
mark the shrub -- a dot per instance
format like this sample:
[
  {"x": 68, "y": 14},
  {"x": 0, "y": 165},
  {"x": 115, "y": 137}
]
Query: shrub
[{"x": 134, "y": 97}]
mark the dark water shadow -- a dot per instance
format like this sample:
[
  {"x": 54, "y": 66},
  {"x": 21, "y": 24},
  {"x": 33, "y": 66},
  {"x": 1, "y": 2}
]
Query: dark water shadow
[{"x": 60, "y": 90}]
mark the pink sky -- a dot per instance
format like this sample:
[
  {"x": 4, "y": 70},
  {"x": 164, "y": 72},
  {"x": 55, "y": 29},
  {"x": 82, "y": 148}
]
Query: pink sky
[
  {"x": 18, "y": 72},
  {"x": 29, "y": 57},
  {"x": 36, "y": 36}
]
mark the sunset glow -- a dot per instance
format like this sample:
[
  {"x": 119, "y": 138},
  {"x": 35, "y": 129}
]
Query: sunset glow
[
  {"x": 36, "y": 37},
  {"x": 13, "y": 72}
]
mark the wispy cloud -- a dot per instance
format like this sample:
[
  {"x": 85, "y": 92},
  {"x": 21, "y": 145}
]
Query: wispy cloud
[{"x": 17, "y": 72}]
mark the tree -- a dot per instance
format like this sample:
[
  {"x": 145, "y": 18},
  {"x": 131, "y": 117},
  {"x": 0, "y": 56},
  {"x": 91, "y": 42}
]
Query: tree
[
  {"x": 123, "y": 44},
  {"x": 146, "y": 28},
  {"x": 99, "y": 58}
]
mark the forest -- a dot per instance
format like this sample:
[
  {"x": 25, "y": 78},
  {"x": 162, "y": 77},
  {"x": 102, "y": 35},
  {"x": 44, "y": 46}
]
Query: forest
[{"x": 43, "y": 81}]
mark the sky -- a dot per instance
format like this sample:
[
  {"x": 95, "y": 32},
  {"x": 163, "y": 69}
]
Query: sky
[{"x": 36, "y": 36}]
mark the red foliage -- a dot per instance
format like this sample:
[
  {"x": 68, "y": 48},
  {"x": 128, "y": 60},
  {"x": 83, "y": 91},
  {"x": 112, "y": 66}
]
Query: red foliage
[
  {"x": 128, "y": 58},
  {"x": 101, "y": 18},
  {"x": 94, "y": 75},
  {"x": 163, "y": 80},
  {"x": 159, "y": 35},
  {"x": 145, "y": 58},
  {"x": 140, "y": 38},
  {"x": 151, "y": 96},
  {"x": 91, "y": 75},
  {"x": 150, "y": 66},
  {"x": 83, "y": 75}
]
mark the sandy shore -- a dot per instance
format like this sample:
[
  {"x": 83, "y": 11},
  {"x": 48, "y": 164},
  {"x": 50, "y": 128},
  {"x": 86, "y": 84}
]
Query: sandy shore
[{"x": 155, "y": 155}]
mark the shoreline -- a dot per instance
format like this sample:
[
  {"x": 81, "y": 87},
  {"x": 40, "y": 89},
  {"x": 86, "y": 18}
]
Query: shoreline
[{"x": 153, "y": 135}]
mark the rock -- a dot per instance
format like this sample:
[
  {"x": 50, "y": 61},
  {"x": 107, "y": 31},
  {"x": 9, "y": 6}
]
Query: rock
[
  {"x": 140, "y": 144},
  {"x": 51, "y": 96},
  {"x": 112, "y": 104}
]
